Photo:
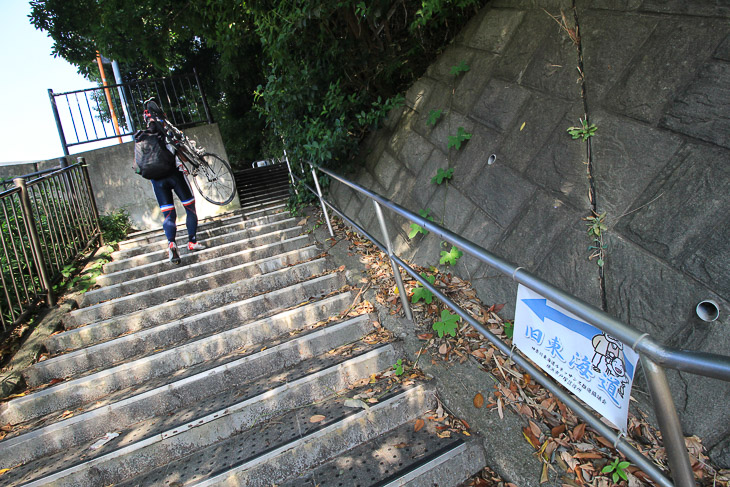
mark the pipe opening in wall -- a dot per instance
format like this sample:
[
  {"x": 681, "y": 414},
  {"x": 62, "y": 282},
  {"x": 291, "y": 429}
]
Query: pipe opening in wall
[
  {"x": 491, "y": 159},
  {"x": 708, "y": 310}
]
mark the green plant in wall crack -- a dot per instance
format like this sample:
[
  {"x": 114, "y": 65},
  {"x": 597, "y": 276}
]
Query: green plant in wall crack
[
  {"x": 416, "y": 228},
  {"x": 450, "y": 257},
  {"x": 447, "y": 324},
  {"x": 456, "y": 70},
  {"x": 617, "y": 469},
  {"x": 443, "y": 175},
  {"x": 421, "y": 293},
  {"x": 596, "y": 228},
  {"x": 433, "y": 116},
  {"x": 456, "y": 140},
  {"x": 584, "y": 132},
  {"x": 398, "y": 367}
]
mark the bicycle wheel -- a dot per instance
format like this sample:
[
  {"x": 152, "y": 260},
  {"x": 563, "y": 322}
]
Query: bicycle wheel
[{"x": 214, "y": 179}]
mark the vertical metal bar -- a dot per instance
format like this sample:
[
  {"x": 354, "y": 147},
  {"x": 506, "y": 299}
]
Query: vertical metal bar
[
  {"x": 669, "y": 424},
  {"x": 58, "y": 121},
  {"x": 73, "y": 121},
  {"x": 195, "y": 99},
  {"x": 54, "y": 252},
  {"x": 13, "y": 279},
  {"x": 34, "y": 241},
  {"x": 321, "y": 202},
  {"x": 17, "y": 257},
  {"x": 202, "y": 97},
  {"x": 83, "y": 207},
  {"x": 169, "y": 102},
  {"x": 98, "y": 110},
  {"x": 57, "y": 218},
  {"x": 81, "y": 115},
  {"x": 177, "y": 100},
  {"x": 187, "y": 101},
  {"x": 396, "y": 270},
  {"x": 66, "y": 236},
  {"x": 291, "y": 176},
  {"x": 94, "y": 209},
  {"x": 73, "y": 205},
  {"x": 91, "y": 115}
]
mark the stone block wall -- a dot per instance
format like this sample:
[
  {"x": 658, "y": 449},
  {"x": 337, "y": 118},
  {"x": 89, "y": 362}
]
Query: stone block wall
[{"x": 657, "y": 78}]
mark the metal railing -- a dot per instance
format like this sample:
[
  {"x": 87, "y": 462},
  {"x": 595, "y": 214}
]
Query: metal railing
[
  {"x": 47, "y": 222},
  {"x": 654, "y": 356},
  {"x": 116, "y": 111}
]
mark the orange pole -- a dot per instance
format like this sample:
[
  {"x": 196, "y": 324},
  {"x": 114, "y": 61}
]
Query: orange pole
[{"x": 108, "y": 96}]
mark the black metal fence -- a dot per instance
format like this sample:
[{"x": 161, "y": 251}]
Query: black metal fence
[
  {"x": 46, "y": 223},
  {"x": 115, "y": 111}
]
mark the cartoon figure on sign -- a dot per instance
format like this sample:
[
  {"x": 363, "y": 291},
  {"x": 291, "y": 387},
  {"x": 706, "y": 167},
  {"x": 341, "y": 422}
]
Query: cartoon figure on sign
[{"x": 611, "y": 352}]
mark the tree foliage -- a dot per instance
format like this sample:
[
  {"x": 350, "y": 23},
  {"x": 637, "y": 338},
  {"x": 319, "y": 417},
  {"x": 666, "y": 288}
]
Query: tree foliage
[{"x": 315, "y": 74}]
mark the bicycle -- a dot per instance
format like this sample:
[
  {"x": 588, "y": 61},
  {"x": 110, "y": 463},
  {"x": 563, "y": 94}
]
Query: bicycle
[{"x": 211, "y": 174}]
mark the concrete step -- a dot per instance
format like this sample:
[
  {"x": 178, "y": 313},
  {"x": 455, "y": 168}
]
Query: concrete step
[
  {"x": 401, "y": 457},
  {"x": 197, "y": 301},
  {"x": 155, "y": 262},
  {"x": 87, "y": 389},
  {"x": 271, "y": 180},
  {"x": 210, "y": 236},
  {"x": 267, "y": 208},
  {"x": 203, "y": 275},
  {"x": 269, "y": 193},
  {"x": 225, "y": 329},
  {"x": 134, "y": 239},
  {"x": 287, "y": 295},
  {"x": 300, "y": 452},
  {"x": 168, "y": 422}
]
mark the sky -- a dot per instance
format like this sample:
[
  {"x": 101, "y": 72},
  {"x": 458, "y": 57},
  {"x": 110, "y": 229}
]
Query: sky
[{"x": 27, "y": 127}]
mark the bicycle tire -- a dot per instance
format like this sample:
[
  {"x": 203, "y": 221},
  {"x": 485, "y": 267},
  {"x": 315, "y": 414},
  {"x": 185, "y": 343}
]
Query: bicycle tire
[{"x": 214, "y": 179}]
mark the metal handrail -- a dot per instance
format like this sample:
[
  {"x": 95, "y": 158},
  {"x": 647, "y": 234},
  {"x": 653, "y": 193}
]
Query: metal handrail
[
  {"x": 655, "y": 357},
  {"x": 48, "y": 222},
  {"x": 84, "y": 111}
]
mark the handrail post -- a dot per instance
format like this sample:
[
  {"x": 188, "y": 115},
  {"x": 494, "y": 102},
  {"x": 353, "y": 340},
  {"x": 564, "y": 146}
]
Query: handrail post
[
  {"x": 57, "y": 117},
  {"x": 321, "y": 201},
  {"x": 291, "y": 176},
  {"x": 396, "y": 270},
  {"x": 35, "y": 242},
  {"x": 669, "y": 424},
  {"x": 92, "y": 199}
]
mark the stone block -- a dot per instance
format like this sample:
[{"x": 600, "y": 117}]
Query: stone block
[
  {"x": 495, "y": 30},
  {"x": 553, "y": 68},
  {"x": 531, "y": 237},
  {"x": 452, "y": 56},
  {"x": 449, "y": 125},
  {"x": 483, "y": 231},
  {"x": 451, "y": 205},
  {"x": 627, "y": 156},
  {"x": 500, "y": 192},
  {"x": 533, "y": 4},
  {"x": 649, "y": 295},
  {"x": 723, "y": 50},
  {"x": 386, "y": 169},
  {"x": 526, "y": 40},
  {"x": 399, "y": 135},
  {"x": 425, "y": 189},
  {"x": 471, "y": 83},
  {"x": 610, "y": 41},
  {"x": 702, "y": 111},
  {"x": 474, "y": 156},
  {"x": 682, "y": 204},
  {"x": 542, "y": 115},
  {"x": 616, "y": 4},
  {"x": 439, "y": 98},
  {"x": 709, "y": 263},
  {"x": 499, "y": 104},
  {"x": 708, "y": 8},
  {"x": 415, "y": 151},
  {"x": 419, "y": 92},
  {"x": 400, "y": 190},
  {"x": 668, "y": 60},
  {"x": 568, "y": 267},
  {"x": 559, "y": 165}
]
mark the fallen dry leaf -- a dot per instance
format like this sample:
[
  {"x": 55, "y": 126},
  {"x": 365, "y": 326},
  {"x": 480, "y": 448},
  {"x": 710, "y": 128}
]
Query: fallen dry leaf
[
  {"x": 316, "y": 418},
  {"x": 419, "y": 424},
  {"x": 478, "y": 401}
]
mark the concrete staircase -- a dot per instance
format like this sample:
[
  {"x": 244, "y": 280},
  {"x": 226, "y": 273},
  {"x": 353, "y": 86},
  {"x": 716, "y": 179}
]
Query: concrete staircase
[
  {"x": 240, "y": 366},
  {"x": 259, "y": 185}
]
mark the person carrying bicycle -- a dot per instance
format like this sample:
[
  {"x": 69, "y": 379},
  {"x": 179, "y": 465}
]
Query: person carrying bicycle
[{"x": 163, "y": 187}]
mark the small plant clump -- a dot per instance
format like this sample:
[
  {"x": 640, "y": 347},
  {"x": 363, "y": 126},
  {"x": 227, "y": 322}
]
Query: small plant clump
[{"x": 584, "y": 132}]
